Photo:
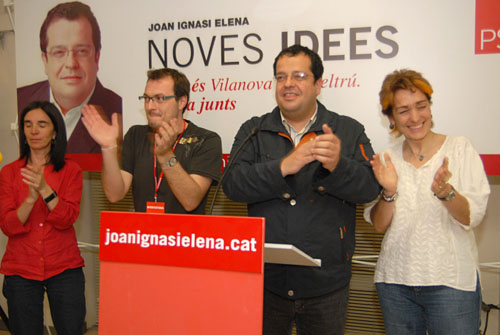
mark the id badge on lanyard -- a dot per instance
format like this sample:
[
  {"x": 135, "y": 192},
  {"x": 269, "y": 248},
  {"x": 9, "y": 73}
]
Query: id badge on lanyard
[
  {"x": 155, "y": 207},
  {"x": 159, "y": 207}
]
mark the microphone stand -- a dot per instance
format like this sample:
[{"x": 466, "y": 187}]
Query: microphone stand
[{"x": 253, "y": 132}]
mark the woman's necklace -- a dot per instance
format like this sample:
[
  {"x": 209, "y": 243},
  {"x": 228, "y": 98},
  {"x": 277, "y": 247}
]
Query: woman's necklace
[
  {"x": 427, "y": 150},
  {"x": 420, "y": 156}
]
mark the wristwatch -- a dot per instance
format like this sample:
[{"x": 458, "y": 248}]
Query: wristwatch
[
  {"x": 172, "y": 161},
  {"x": 450, "y": 196},
  {"x": 51, "y": 197}
]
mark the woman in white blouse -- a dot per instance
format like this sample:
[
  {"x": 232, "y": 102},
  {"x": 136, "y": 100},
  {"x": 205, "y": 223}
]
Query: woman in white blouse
[{"x": 434, "y": 192}]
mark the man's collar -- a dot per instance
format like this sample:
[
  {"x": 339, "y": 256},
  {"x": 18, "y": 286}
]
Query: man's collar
[
  {"x": 79, "y": 107},
  {"x": 273, "y": 120},
  {"x": 307, "y": 126}
]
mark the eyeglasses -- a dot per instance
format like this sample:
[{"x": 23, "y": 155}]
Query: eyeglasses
[
  {"x": 157, "y": 98},
  {"x": 296, "y": 76},
  {"x": 81, "y": 52}
]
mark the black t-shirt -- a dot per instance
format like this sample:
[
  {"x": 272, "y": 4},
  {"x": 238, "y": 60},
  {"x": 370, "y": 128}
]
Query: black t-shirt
[{"x": 199, "y": 151}]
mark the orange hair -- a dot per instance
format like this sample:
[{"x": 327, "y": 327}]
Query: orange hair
[{"x": 402, "y": 80}]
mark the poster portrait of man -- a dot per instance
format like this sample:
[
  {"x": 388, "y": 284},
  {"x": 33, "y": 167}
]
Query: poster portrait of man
[{"x": 70, "y": 43}]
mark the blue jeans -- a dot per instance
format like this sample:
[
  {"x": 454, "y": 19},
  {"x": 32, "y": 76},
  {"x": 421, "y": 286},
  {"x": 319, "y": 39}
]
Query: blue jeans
[
  {"x": 435, "y": 309},
  {"x": 66, "y": 298},
  {"x": 315, "y": 316}
]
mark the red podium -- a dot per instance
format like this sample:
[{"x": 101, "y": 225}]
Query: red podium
[{"x": 180, "y": 274}]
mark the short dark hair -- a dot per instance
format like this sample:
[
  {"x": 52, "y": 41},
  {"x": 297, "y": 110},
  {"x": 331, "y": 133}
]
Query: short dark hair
[
  {"x": 182, "y": 86},
  {"x": 316, "y": 63},
  {"x": 58, "y": 146},
  {"x": 70, "y": 11}
]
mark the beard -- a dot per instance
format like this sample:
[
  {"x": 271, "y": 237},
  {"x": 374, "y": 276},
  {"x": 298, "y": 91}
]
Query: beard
[{"x": 154, "y": 124}]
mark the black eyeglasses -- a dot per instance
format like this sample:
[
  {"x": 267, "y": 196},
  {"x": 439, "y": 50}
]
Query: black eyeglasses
[{"x": 157, "y": 98}]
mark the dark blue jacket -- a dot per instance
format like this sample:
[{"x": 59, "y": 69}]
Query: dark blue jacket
[{"x": 314, "y": 209}]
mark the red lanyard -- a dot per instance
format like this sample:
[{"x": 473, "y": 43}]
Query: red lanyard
[{"x": 158, "y": 181}]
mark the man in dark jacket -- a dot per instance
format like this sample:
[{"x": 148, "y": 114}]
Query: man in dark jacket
[{"x": 304, "y": 170}]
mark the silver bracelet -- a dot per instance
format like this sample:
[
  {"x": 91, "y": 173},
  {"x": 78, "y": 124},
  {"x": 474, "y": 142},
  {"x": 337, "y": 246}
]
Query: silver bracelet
[{"x": 389, "y": 199}]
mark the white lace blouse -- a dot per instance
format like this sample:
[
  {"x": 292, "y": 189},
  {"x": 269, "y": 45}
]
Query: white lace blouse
[{"x": 425, "y": 245}]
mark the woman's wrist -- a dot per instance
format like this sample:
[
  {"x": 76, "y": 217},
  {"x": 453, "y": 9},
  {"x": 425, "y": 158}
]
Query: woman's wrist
[
  {"x": 389, "y": 196},
  {"x": 448, "y": 195},
  {"x": 29, "y": 200},
  {"x": 50, "y": 197}
]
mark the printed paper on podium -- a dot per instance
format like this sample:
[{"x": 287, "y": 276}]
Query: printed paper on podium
[{"x": 288, "y": 254}]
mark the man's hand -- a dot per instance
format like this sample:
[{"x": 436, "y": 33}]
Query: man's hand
[
  {"x": 326, "y": 149},
  {"x": 165, "y": 139},
  {"x": 105, "y": 134},
  {"x": 297, "y": 158}
]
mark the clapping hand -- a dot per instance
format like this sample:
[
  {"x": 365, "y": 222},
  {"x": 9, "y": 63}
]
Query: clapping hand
[
  {"x": 105, "y": 134},
  {"x": 386, "y": 174},
  {"x": 165, "y": 137},
  {"x": 440, "y": 185},
  {"x": 297, "y": 158},
  {"x": 33, "y": 177},
  {"x": 326, "y": 149}
]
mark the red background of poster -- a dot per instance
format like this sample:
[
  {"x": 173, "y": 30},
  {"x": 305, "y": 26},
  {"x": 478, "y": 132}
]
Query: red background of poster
[{"x": 488, "y": 18}]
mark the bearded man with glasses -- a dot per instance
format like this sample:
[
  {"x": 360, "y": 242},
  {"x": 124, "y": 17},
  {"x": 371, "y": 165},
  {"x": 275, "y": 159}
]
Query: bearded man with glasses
[
  {"x": 70, "y": 41},
  {"x": 170, "y": 162}
]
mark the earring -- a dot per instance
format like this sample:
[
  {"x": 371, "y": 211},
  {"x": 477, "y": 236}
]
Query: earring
[{"x": 391, "y": 126}]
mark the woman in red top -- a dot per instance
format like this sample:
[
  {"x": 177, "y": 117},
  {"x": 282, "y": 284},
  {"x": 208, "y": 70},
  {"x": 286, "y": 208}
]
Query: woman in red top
[{"x": 40, "y": 201}]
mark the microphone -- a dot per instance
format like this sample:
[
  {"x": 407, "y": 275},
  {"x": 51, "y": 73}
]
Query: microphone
[{"x": 253, "y": 132}]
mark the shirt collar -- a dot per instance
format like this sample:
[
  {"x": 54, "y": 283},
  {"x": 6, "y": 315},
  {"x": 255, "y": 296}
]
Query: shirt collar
[
  {"x": 297, "y": 135},
  {"x": 79, "y": 107},
  {"x": 73, "y": 115}
]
